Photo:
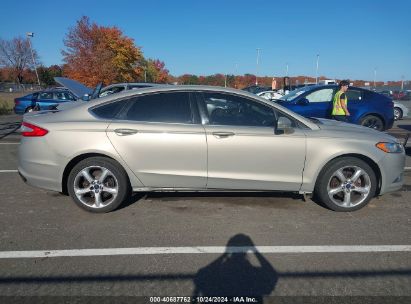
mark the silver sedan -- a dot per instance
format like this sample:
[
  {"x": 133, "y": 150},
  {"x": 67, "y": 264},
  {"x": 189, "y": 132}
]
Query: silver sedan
[{"x": 197, "y": 138}]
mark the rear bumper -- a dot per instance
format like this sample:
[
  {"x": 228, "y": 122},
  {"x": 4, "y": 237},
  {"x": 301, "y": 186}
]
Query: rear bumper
[
  {"x": 34, "y": 175},
  {"x": 38, "y": 165}
]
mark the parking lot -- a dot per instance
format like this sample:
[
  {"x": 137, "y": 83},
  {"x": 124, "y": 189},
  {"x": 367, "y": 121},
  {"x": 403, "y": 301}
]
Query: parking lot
[{"x": 169, "y": 244}]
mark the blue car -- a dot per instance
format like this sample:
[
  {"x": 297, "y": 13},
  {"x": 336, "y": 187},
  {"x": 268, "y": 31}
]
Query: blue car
[
  {"x": 367, "y": 108},
  {"x": 42, "y": 100}
]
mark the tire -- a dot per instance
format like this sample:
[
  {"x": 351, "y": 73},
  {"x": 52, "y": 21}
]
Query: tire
[
  {"x": 397, "y": 113},
  {"x": 28, "y": 110},
  {"x": 97, "y": 193},
  {"x": 337, "y": 191},
  {"x": 372, "y": 121}
]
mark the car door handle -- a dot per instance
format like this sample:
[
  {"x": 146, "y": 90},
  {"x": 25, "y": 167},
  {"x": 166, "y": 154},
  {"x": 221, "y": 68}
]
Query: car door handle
[
  {"x": 223, "y": 134},
  {"x": 125, "y": 132}
]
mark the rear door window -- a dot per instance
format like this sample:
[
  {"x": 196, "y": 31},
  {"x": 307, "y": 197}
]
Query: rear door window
[
  {"x": 171, "y": 107},
  {"x": 323, "y": 95},
  {"x": 354, "y": 95}
]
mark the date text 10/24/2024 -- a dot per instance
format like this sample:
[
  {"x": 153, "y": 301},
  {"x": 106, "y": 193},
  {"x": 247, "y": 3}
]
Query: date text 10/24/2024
[{"x": 203, "y": 299}]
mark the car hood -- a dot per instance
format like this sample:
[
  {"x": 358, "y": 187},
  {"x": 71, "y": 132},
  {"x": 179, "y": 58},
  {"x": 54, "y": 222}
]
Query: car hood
[
  {"x": 343, "y": 129},
  {"x": 75, "y": 87}
]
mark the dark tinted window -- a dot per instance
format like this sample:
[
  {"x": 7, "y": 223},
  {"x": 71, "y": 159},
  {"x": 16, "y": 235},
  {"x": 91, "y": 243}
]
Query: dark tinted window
[
  {"x": 109, "y": 111},
  {"x": 225, "y": 109},
  {"x": 354, "y": 95},
  {"x": 163, "y": 107}
]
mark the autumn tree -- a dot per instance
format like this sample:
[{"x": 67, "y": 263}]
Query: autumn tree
[
  {"x": 99, "y": 54},
  {"x": 156, "y": 71},
  {"x": 16, "y": 55},
  {"x": 47, "y": 74}
]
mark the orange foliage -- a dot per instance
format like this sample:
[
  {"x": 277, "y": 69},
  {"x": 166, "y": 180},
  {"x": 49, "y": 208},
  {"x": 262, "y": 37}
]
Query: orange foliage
[{"x": 99, "y": 54}]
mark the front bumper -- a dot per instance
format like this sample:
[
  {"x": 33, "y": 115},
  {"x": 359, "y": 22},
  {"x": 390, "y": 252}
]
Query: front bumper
[{"x": 392, "y": 172}]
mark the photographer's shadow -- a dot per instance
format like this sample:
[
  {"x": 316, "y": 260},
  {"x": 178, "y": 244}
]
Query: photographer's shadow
[{"x": 233, "y": 275}]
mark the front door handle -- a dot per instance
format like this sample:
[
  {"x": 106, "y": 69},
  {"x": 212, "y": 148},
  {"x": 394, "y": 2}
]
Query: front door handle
[
  {"x": 125, "y": 132},
  {"x": 223, "y": 134}
]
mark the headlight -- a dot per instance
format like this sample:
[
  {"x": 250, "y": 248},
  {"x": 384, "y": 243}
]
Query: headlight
[{"x": 390, "y": 147}]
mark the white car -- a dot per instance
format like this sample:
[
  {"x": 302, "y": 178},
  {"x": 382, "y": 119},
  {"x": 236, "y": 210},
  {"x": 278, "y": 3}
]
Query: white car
[
  {"x": 270, "y": 95},
  {"x": 400, "y": 110}
]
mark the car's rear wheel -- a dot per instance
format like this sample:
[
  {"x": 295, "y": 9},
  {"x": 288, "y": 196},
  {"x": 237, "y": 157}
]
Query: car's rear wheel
[
  {"x": 373, "y": 122},
  {"x": 98, "y": 184},
  {"x": 397, "y": 113},
  {"x": 346, "y": 184}
]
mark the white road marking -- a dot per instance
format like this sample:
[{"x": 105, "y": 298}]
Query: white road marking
[
  {"x": 407, "y": 168},
  {"x": 8, "y": 171},
  {"x": 9, "y": 143},
  {"x": 201, "y": 250}
]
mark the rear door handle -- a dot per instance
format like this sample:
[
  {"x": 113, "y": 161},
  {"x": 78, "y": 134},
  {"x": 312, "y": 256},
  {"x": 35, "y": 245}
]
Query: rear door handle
[
  {"x": 125, "y": 132},
  {"x": 223, "y": 134}
]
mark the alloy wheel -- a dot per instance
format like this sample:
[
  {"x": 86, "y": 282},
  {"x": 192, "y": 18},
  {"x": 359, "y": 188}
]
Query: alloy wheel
[
  {"x": 349, "y": 186},
  {"x": 96, "y": 187}
]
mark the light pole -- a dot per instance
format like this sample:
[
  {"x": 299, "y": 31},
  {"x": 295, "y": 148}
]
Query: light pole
[
  {"x": 316, "y": 73},
  {"x": 31, "y": 34},
  {"x": 375, "y": 76},
  {"x": 402, "y": 82},
  {"x": 258, "y": 57}
]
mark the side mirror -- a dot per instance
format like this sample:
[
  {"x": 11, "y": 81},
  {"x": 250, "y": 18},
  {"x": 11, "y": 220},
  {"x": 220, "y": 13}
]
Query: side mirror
[
  {"x": 284, "y": 126},
  {"x": 303, "y": 101},
  {"x": 86, "y": 97}
]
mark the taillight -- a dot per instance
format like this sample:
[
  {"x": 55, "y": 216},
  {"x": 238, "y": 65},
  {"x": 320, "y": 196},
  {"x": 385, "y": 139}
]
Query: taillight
[
  {"x": 28, "y": 129},
  {"x": 16, "y": 101}
]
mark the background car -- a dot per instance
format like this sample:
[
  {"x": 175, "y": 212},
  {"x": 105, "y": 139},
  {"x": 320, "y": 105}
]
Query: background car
[
  {"x": 42, "y": 100},
  {"x": 367, "y": 108},
  {"x": 400, "y": 110},
  {"x": 402, "y": 95},
  {"x": 255, "y": 89},
  {"x": 270, "y": 95},
  {"x": 119, "y": 87},
  {"x": 198, "y": 138}
]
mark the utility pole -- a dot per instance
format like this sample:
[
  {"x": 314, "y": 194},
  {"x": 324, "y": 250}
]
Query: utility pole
[
  {"x": 31, "y": 34},
  {"x": 402, "y": 82},
  {"x": 258, "y": 57},
  {"x": 316, "y": 73}
]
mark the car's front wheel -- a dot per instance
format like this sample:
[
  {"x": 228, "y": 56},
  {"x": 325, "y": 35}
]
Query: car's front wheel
[
  {"x": 373, "y": 122},
  {"x": 346, "y": 184},
  {"x": 98, "y": 184},
  {"x": 28, "y": 110},
  {"x": 397, "y": 113}
]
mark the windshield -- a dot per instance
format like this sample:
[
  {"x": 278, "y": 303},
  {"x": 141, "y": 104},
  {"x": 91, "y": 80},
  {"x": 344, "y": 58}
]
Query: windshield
[{"x": 294, "y": 94}]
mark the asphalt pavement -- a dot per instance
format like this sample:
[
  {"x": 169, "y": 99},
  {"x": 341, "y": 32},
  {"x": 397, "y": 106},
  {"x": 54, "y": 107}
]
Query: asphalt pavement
[{"x": 170, "y": 246}]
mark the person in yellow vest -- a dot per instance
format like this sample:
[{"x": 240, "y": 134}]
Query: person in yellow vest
[{"x": 340, "y": 102}]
